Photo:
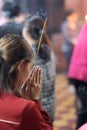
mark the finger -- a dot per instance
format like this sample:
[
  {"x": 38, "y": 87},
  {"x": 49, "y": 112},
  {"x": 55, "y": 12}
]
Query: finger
[
  {"x": 31, "y": 75},
  {"x": 35, "y": 75},
  {"x": 40, "y": 76},
  {"x": 27, "y": 88},
  {"x": 23, "y": 88},
  {"x": 27, "y": 81},
  {"x": 32, "y": 71}
]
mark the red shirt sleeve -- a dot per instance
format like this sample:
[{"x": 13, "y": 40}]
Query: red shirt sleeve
[{"x": 35, "y": 118}]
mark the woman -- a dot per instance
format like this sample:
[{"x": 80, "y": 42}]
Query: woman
[
  {"x": 69, "y": 30},
  {"x": 17, "y": 113},
  {"x": 44, "y": 57},
  {"x": 10, "y": 25},
  {"x": 78, "y": 74}
]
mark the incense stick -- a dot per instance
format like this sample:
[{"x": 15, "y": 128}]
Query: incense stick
[{"x": 41, "y": 35}]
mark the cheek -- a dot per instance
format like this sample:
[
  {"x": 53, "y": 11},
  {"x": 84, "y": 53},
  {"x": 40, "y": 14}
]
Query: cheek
[
  {"x": 27, "y": 71},
  {"x": 25, "y": 74}
]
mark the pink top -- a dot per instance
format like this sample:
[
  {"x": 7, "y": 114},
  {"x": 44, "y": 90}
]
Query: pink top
[
  {"x": 84, "y": 127},
  {"x": 78, "y": 65}
]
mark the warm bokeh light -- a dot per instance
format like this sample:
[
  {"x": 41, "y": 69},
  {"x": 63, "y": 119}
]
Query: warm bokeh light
[{"x": 86, "y": 17}]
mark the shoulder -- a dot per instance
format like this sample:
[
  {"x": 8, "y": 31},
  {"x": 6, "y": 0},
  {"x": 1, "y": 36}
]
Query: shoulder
[
  {"x": 26, "y": 107},
  {"x": 20, "y": 102},
  {"x": 25, "y": 103},
  {"x": 31, "y": 105},
  {"x": 35, "y": 118}
]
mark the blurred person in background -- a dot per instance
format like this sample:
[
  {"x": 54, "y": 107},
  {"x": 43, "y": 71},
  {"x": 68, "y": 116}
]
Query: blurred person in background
[
  {"x": 69, "y": 30},
  {"x": 10, "y": 10},
  {"x": 78, "y": 75},
  {"x": 13, "y": 21},
  {"x": 20, "y": 110},
  {"x": 44, "y": 58},
  {"x": 2, "y": 18}
]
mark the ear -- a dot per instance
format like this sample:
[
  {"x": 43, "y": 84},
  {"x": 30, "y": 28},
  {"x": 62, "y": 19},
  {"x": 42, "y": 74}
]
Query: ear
[{"x": 21, "y": 65}]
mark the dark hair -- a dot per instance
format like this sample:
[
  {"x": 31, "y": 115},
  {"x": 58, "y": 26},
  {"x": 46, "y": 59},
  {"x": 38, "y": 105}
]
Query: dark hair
[
  {"x": 13, "y": 49},
  {"x": 69, "y": 12},
  {"x": 10, "y": 28},
  {"x": 11, "y": 9},
  {"x": 34, "y": 26},
  {"x": 41, "y": 13}
]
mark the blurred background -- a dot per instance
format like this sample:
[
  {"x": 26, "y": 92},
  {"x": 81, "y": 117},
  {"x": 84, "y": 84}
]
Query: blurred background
[
  {"x": 56, "y": 10},
  {"x": 65, "y": 114}
]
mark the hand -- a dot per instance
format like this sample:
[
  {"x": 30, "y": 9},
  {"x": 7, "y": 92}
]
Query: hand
[{"x": 32, "y": 87}]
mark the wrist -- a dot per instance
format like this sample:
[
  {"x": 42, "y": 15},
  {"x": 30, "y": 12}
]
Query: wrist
[
  {"x": 31, "y": 98},
  {"x": 34, "y": 99}
]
